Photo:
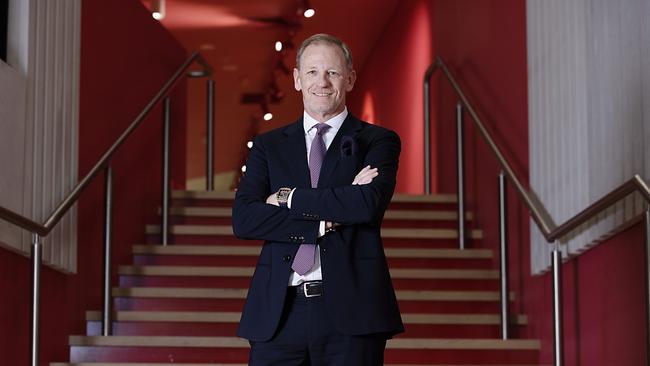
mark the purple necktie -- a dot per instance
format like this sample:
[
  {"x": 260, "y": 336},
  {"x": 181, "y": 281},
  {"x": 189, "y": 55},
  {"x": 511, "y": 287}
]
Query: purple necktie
[{"x": 304, "y": 259}]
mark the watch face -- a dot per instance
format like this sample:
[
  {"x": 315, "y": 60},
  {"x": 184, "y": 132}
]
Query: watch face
[{"x": 283, "y": 194}]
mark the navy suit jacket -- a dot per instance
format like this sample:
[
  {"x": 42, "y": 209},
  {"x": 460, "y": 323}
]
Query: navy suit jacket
[{"x": 359, "y": 293}]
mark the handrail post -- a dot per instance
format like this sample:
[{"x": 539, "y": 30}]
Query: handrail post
[
  {"x": 427, "y": 130},
  {"x": 460, "y": 164},
  {"x": 503, "y": 236},
  {"x": 108, "y": 207},
  {"x": 37, "y": 259},
  {"x": 558, "y": 351},
  {"x": 164, "y": 228},
  {"x": 209, "y": 175},
  {"x": 647, "y": 266}
]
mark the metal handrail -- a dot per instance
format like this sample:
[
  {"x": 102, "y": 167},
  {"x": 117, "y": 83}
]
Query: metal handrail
[
  {"x": 546, "y": 224},
  {"x": 551, "y": 231},
  {"x": 41, "y": 230},
  {"x": 56, "y": 215}
]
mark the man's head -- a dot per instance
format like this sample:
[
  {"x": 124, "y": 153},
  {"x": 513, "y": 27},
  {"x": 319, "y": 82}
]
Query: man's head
[{"x": 324, "y": 74}]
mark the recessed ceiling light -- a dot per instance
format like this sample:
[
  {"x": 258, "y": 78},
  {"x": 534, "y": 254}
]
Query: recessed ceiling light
[{"x": 158, "y": 9}]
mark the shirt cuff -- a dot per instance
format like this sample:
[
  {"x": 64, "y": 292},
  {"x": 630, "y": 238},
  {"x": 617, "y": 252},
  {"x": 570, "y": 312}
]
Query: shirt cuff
[
  {"x": 321, "y": 229},
  {"x": 289, "y": 199}
]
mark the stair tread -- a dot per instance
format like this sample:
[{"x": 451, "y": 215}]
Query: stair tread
[
  {"x": 424, "y": 308},
  {"x": 398, "y": 197},
  {"x": 412, "y": 273},
  {"x": 404, "y": 233},
  {"x": 392, "y": 214},
  {"x": 218, "y": 364},
  {"x": 255, "y": 251},
  {"x": 234, "y": 342},
  {"x": 240, "y": 293},
  {"x": 233, "y": 317}
]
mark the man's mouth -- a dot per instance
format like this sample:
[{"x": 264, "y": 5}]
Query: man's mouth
[{"x": 322, "y": 94}]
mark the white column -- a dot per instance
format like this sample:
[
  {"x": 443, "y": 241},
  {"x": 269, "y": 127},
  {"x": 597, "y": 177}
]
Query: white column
[
  {"x": 43, "y": 123},
  {"x": 586, "y": 111}
]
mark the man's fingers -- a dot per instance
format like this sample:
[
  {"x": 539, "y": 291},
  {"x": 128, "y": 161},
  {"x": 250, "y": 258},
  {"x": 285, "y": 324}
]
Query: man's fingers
[
  {"x": 364, "y": 174},
  {"x": 365, "y": 177}
]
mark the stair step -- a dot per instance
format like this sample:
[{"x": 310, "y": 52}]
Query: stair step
[
  {"x": 397, "y": 197},
  {"x": 232, "y": 250},
  {"x": 389, "y": 214},
  {"x": 217, "y": 364},
  {"x": 234, "y": 342},
  {"x": 237, "y": 255},
  {"x": 428, "y": 284},
  {"x": 233, "y": 317},
  {"x": 232, "y": 350},
  {"x": 191, "y": 215},
  {"x": 227, "y": 299},
  {"x": 399, "y": 201},
  {"x": 230, "y": 293},
  {"x": 400, "y": 233},
  {"x": 410, "y": 273},
  {"x": 154, "y": 364}
]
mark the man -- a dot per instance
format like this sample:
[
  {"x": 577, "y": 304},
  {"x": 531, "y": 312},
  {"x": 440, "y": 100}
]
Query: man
[{"x": 315, "y": 191}]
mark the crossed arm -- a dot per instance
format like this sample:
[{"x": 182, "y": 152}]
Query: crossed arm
[
  {"x": 360, "y": 203},
  {"x": 365, "y": 176}
]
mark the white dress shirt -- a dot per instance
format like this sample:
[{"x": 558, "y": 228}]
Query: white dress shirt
[{"x": 335, "y": 123}]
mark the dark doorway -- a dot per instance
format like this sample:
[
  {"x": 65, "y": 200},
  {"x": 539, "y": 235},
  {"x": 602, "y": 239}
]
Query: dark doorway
[{"x": 4, "y": 22}]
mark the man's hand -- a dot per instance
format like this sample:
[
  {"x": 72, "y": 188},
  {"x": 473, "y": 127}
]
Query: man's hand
[{"x": 365, "y": 176}]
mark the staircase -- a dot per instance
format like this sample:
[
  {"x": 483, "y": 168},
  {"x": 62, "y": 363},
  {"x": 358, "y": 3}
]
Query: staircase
[{"x": 181, "y": 303}]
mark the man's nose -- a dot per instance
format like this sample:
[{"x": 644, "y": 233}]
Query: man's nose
[{"x": 323, "y": 79}]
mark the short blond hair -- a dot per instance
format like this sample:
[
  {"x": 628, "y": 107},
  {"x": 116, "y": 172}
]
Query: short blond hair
[{"x": 325, "y": 38}]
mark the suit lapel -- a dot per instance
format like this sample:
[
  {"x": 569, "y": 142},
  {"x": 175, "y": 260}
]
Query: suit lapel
[
  {"x": 296, "y": 154},
  {"x": 333, "y": 155}
]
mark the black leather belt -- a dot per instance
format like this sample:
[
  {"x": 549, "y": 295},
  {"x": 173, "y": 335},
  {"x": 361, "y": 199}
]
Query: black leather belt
[{"x": 308, "y": 289}]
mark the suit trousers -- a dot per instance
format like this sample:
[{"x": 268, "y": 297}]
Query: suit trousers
[{"x": 306, "y": 336}]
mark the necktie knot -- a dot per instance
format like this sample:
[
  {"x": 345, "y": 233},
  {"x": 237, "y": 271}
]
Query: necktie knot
[{"x": 321, "y": 128}]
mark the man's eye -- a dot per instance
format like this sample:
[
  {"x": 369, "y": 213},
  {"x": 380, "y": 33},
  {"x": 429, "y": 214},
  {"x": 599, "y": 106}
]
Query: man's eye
[
  {"x": 333, "y": 73},
  {"x": 311, "y": 72}
]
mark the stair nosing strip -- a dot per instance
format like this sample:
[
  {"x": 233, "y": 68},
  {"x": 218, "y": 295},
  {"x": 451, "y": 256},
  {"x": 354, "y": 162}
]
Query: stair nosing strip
[
  {"x": 228, "y": 293},
  {"x": 148, "y": 316},
  {"x": 387, "y": 233},
  {"x": 236, "y": 271},
  {"x": 232, "y": 250},
  {"x": 233, "y": 342}
]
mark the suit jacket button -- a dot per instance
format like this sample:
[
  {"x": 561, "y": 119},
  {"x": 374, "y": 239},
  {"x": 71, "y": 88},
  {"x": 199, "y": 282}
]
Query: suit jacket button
[
  {"x": 323, "y": 250},
  {"x": 286, "y": 258}
]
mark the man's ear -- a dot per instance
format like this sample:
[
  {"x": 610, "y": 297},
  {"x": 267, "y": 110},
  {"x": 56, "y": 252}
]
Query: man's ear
[
  {"x": 352, "y": 77},
  {"x": 296, "y": 79}
]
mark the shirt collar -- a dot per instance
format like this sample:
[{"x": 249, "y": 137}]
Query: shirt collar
[{"x": 335, "y": 122}]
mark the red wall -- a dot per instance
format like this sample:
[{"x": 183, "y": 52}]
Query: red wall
[
  {"x": 126, "y": 56},
  {"x": 388, "y": 91},
  {"x": 604, "y": 304},
  {"x": 484, "y": 44}
]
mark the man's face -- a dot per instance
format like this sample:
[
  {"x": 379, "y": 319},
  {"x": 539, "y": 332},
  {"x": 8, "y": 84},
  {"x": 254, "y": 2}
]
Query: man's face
[{"x": 324, "y": 79}]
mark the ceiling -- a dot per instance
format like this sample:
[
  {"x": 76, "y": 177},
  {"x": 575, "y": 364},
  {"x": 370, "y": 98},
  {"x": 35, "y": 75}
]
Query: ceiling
[{"x": 237, "y": 38}]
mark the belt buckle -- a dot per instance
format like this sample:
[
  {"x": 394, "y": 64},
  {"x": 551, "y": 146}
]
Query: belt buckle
[{"x": 305, "y": 289}]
